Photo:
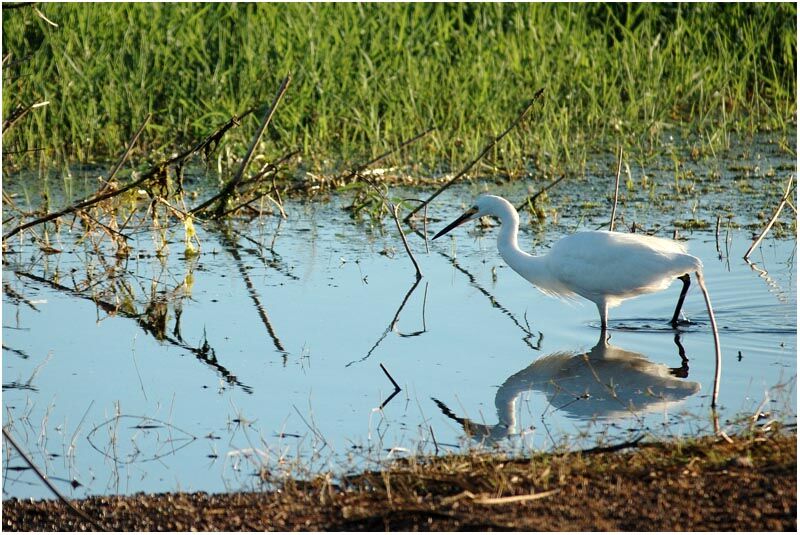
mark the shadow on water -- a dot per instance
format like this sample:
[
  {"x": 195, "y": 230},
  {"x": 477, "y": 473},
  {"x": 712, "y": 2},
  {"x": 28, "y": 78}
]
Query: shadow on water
[{"x": 607, "y": 382}]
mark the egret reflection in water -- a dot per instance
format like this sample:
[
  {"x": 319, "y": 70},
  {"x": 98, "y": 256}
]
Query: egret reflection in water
[{"x": 607, "y": 382}]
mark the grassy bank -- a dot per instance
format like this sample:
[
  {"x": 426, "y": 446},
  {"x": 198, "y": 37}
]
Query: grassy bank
[
  {"x": 748, "y": 483},
  {"x": 369, "y": 75}
]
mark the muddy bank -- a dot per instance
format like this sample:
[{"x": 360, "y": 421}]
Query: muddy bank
[{"x": 710, "y": 484}]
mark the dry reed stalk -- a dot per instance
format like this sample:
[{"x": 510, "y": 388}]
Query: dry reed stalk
[
  {"x": 531, "y": 201},
  {"x": 154, "y": 171},
  {"x": 229, "y": 188},
  {"x": 774, "y": 218},
  {"x": 50, "y": 486},
  {"x": 125, "y": 155},
  {"x": 717, "y": 351},
  {"x": 516, "y": 499},
  {"x": 616, "y": 190},
  {"x": 483, "y": 153}
]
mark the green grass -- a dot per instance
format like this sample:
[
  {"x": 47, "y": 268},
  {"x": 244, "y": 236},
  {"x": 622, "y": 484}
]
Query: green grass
[{"x": 367, "y": 76}]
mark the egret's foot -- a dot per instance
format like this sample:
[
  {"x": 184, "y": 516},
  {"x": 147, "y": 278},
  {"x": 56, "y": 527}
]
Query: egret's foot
[
  {"x": 682, "y": 323},
  {"x": 680, "y": 373}
]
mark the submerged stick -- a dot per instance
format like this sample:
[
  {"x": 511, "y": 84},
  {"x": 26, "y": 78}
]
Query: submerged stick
[
  {"x": 125, "y": 154},
  {"x": 396, "y": 217},
  {"x": 396, "y": 386},
  {"x": 358, "y": 170},
  {"x": 483, "y": 153},
  {"x": 718, "y": 353},
  {"x": 231, "y": 186},
  {"x": 50, "y": 486},
  {"x": 616, "y": 191},
  {"x": 153, "y": 171},
  {"x": 784, "y": 199},
  {"x": 531, "y": 201},
  {"x": 19, "y": 114}
]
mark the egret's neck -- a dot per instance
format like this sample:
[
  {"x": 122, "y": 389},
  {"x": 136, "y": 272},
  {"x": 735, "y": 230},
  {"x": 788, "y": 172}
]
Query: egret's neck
[{"x": 530, "y": 267}]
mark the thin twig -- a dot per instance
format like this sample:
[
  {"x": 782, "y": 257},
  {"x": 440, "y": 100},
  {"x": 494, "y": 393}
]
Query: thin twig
[
  {"x": 483, "y": 153},
  {"x": 19, "y": 114},
  {"x": 358, "y": 170},
  {"x": 717, "y": 352},
  {"x": 531, "y": 201},
  {"x": 231, "y": 186},
  {"x": 396, "y": 386},
  {"x": 125, "y": 155},
  {"x": 17, "y": 5},
  {"x": 153, "y": 171},
  {"x": 616, "y": 191},
  {"x": 784, "y": 198},
  {"x": 395, "y": 209},
  {"x": 50, "y": 486},
  {"x": 435, "y": 444}
]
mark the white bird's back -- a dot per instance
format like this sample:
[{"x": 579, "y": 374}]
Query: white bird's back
[{"x": 615, "y": 266}]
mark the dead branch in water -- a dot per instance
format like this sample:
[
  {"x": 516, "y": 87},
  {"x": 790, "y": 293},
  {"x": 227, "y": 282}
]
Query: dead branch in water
[
  {"x": 208, "y": 144},
  {"x": 774, "y": 218},
  {"x": 124, "y": 156},
  {"x": 530, "y": 202},
  {"x": 230, "y": 187},
  {"x": 396, "y": 217},
  {"x": 483, "y": 153},
  {"x": 394, "y": 209},
  {"x": 616, "y": 190},
  {"x": 269, "y": 169},
  {"x": 717, "y": 351},
  {"x": 19, "y": 113},
  {"x": 361, "y": 168},
  {"x": 50, "y": 486}
]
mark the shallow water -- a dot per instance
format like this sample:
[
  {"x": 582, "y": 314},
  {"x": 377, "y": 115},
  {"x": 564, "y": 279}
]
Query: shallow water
[{"x": 265, "y": 351}]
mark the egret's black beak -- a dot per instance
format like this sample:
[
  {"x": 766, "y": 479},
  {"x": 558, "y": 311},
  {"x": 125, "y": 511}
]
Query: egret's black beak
[{"x": 466, "y": 216}]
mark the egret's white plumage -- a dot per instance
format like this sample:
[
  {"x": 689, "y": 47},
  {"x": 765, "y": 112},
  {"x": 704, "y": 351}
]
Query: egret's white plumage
[{"x": 603, "y": 267}]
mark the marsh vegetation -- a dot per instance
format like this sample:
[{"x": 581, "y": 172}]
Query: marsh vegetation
[{"x": 208, "y": 217}]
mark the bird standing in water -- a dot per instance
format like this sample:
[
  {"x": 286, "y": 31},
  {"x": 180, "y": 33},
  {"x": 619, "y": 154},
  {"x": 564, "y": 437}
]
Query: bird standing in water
[{"x": 601, "y": 266}]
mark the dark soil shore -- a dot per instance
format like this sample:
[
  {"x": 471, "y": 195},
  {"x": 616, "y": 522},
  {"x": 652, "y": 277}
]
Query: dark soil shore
[{"x": 747, "y": 484}]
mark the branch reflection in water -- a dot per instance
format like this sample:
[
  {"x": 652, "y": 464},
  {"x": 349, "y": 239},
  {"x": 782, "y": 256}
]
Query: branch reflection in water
[{"x": 608, "y": 383}]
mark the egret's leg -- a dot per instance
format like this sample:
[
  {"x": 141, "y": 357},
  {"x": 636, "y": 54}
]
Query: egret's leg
[
  {"x": 686, "y": 282},
  {"x": 683, "y": 371},
  {"x": 602, "y": 308}
]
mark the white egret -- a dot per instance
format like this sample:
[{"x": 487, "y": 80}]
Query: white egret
[
  {"x": 602, "y": 266},
  {"x": 606, "y": 382}
]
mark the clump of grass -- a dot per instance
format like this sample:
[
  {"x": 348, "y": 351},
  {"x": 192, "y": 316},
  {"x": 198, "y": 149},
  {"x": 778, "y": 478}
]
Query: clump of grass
[{"x": 368, "y": 74}]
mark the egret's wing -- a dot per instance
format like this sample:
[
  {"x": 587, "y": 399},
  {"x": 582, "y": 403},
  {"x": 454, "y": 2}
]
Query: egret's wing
[{"x": 616, "y": 265}]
